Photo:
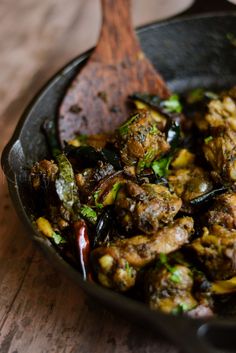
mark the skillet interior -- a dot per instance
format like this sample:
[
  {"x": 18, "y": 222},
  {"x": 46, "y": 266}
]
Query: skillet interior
[{"x": 189, "y": 53}]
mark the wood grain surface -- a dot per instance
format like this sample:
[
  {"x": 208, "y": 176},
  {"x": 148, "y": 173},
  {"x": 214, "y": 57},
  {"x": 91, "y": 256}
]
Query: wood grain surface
[
  {"x": 97, "y": 98},
  {"x": 42, "y": 311}
]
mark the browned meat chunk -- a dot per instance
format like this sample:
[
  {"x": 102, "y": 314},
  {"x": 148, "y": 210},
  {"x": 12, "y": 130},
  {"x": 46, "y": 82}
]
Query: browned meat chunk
[
  {"x": 146, "y": 207},
  {"x": 220, "y": 152},
  {"x": 116, "y": 265},
  {"x": 43, "y": 173},
  {"x": 216, "y": 250},
  {"x": 222, "y": 111},
  {"x": 140, "y": 141},
  {"x": 223, "y": 211},
  {"x": 170, "y": 289}
]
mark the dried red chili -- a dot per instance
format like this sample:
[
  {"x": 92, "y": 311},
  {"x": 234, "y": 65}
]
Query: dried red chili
[{"x": 83, "y": 246}]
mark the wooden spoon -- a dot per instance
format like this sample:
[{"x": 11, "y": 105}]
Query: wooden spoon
[{"x": 97, "y": 99}]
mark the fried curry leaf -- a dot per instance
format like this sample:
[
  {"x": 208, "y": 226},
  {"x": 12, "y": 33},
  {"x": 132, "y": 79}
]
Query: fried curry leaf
[
  {"x": 161, "y": 166},
  {"x": 180, "y": 309},
  {"x": 208, "y": 139},
  {"x": 65, "y": 184}
]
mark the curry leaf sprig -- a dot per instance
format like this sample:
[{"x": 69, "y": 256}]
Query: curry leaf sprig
[{"x": 66, "y": 187}]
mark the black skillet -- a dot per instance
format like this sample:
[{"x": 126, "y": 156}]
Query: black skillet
[{"x": 191, "y": 52}]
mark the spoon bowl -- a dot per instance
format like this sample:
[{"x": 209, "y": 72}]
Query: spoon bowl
[{"x": 117, "y": 68}]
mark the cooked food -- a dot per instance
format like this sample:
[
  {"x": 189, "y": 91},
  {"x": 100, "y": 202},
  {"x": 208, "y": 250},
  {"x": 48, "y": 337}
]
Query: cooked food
[
  {"x": 171, "y": 290},
  {"x": 216, "y": 249},
  {"x": 140, "y": 141},
  {"x": 223, "y": 211},
  {"x": 146, "y": 207},
  {"x": 118, "y": 263},
  {"x": 149, "y": 209}
]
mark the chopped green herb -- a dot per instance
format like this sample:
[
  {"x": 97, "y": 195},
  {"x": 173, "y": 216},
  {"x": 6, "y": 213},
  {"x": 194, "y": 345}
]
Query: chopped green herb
[
  {"x": 161, "y": 166},
  {"x": 58, "y": 238},
  {"x": 154, "y": 130},
  {"x": 208, "y": 139},
  {"x": 175, "y": 275},
  {"x": 146, "y": 161},
  {"x": 123, "y": 129},
  {"x": 163, "y": 258},
  {"x": 180, "y": 309},
  {"x": 96, "y": 196},
  {"x": 231, "y": 38},
  {"x": 172, "y": 104},
  {"x": 88, "y": 213},
  {"x": 115, "y": 189},
  {"x": 128, "y": 269}
]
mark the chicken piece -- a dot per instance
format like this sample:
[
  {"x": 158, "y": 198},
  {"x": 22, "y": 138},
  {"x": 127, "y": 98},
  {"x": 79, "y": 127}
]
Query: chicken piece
[
  {"x": 43, "y": 173},
  {"x": 116, "y": 266},
  {"x": 146, "y": 207},
  {"x": 223, "y": 211},
  {"x": 216, "y": 250},
  {"x": 190, "y": 183},
  {"x": 176, "y": 286},
  {"x": 170, "y": 289},
  {"x": 222, "y": 111},
  {"x": 220, "y": 152},
  {"x": 140, "y": 141}
]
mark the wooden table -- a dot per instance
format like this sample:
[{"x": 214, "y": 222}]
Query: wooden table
[{"x": 42, "y": 311}]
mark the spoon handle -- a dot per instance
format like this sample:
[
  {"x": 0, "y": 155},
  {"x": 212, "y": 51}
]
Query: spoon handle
[{"x": 117, "y": 40}]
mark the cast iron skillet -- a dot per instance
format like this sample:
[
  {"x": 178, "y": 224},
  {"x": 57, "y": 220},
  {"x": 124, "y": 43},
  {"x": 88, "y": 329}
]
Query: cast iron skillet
[{"x": 189, "y": 53}]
